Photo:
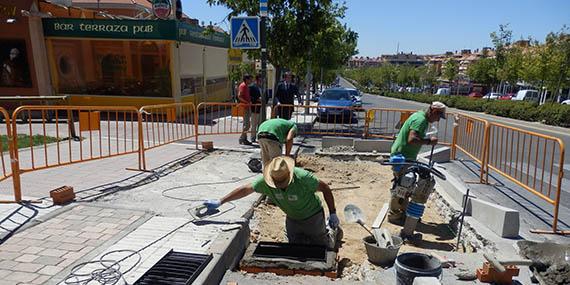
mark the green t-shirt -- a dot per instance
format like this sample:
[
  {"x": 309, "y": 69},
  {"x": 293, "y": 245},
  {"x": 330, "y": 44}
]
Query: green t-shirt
[
  {"x": 417, "y": 122},
  {"x": 277, "y": 127},
  {"x": 299, "y": 201}
]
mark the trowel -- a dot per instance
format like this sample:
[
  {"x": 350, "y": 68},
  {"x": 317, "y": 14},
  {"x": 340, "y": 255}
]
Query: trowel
[{"x": 353, "y": 214}]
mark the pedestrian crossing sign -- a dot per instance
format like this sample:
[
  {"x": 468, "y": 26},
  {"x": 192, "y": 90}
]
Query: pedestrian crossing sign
[{"x": 245, "y": 32}]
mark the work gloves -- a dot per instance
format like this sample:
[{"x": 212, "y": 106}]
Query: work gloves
[
  {"x": 333, "y": 221},
  {"x": 212, "y": 204}
]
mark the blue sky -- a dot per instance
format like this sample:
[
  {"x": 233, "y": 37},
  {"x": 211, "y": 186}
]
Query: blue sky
[{"x": 431, "y": 26}]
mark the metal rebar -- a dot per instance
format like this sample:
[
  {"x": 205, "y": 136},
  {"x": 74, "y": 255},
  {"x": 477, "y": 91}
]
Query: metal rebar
[{"x": 462, "y": 218}]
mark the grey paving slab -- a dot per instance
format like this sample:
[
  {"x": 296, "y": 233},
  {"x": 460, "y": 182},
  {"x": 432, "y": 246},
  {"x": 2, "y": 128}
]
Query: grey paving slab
[{"x": 41, "y": 257}]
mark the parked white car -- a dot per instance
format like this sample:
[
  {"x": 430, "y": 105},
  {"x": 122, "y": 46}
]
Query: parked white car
[
  {"x": 565, "y": 102},
  {"x": 527, "y": 95},
  {"x": 443, "y": 91},
  {"x": 492, "y": 96}
]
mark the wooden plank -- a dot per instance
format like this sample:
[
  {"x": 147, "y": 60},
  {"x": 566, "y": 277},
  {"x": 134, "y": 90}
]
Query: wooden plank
[{"x": 381, "y": 216}]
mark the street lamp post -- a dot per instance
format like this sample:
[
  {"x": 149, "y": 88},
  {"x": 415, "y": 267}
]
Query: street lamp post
[{"x": 263, "y": 11}]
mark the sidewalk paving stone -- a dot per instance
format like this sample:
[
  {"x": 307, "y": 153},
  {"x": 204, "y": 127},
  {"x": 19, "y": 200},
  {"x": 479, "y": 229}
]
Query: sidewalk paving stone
[{"x": 48, "y": 256}]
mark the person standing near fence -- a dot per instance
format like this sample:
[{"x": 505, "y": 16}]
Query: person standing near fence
[
  {"x": 255, "y": 93},
  {"x": 272, "y": 135},
  {"x": 244, "y": 100},
  {"x": 286, "y": 92},
  {"x": 406, "y": 146}
]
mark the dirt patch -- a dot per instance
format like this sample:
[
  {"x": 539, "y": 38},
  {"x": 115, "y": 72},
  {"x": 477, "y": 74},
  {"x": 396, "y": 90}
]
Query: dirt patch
[
  {"x": 365, "y": 184},
  {"x": 554, "y": 259}
]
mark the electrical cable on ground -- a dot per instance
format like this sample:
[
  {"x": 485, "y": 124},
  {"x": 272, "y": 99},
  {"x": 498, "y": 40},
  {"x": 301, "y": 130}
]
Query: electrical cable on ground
[{"x": 110, "y": 272}]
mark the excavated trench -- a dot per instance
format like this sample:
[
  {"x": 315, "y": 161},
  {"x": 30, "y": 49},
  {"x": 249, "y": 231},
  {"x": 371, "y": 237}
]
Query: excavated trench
[{"x": 366, "y": 184}]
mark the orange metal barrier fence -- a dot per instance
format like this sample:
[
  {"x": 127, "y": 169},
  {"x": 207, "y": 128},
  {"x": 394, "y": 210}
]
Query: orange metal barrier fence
[
  {"x": 386, "y": 123},
  {"x": 71, "y": 134},
  {"x": 470, "y": 137},
  {"x": 164, "y": 124},
  {"x": 225, "y": 118},
  {"x": 5, "y": 145},
  {"x": 531, "y": 160},
  {"x": 324, "y": 120},
  {"x": 62, "y": 135}
]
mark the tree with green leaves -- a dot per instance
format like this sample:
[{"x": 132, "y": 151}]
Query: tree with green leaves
[
  {"x": 451, "y": 70},
  {"x": 296, "y": 27},
  {"x": 483, "y": 71}
]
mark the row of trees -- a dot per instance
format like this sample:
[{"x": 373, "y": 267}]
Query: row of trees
[
  {"x": 301, "y": 34},
  {"x": 387, "y": 75},
  {"x": 545, "y": 66}
]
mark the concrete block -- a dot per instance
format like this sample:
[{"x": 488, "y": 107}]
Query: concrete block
[
  {"x": 454, "y": 189},
  {"x": 501, "y": 220},
  {"x": 440, "y": 155},
  {"x": 362, "y": 145},
  {"x": 334, "y": 141}
]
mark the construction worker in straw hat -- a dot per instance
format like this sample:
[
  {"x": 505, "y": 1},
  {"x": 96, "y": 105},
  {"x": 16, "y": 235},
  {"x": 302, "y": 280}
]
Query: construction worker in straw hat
[
  {"x": 406, "y": 146},
  {"x": 294, "y": 191}
]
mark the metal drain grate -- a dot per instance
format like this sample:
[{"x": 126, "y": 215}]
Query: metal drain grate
[
  {"x": 299, "y": 252},
  {"x": 175, "y": 268}
]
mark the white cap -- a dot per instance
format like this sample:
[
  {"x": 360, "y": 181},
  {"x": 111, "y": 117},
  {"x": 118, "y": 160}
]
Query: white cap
[{"x": 436, "y": 105}]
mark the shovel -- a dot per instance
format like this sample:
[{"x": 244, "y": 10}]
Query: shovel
[{"x": 353, "y": 214}]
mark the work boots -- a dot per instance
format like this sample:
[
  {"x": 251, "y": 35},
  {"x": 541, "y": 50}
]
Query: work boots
[{"x": 244, "y": 141}]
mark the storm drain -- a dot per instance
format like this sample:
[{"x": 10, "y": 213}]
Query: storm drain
[
  {"x": 175, "y": 268},
  {"x": 299, "y": 252}
]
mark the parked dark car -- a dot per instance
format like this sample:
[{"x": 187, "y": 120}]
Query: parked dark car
[{"x": 336, "y": 97}]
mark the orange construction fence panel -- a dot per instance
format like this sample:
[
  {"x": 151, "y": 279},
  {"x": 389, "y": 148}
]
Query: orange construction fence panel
[
  {"x": 386, "y": 123},
  {"x": 325, "y": 120},
  {"x": 165, "y": 124},
  {"x": 531, "y": 160},
  {"x": 57, "y": 139}
]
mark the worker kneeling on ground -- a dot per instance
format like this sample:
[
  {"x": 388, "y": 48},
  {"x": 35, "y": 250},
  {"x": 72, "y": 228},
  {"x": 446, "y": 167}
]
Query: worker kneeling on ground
[
  {"x": 294, "y": 191},
  {"x": 272, "y": 134},
  {"x": 407, "y": 145}
]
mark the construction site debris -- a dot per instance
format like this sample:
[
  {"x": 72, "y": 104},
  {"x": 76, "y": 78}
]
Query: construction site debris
[{"x": 550, "y": 258}]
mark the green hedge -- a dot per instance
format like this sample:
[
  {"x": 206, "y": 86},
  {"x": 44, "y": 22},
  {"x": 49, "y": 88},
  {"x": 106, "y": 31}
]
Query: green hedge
[{"x": 550, "y": 113}]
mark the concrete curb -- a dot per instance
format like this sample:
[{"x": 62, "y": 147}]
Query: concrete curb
[
  {"x": 227, "y": 255},
  {"x": 502, "y": 221}
]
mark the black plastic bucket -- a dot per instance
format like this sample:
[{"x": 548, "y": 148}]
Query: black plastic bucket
[{"x": 411, "y": 265}]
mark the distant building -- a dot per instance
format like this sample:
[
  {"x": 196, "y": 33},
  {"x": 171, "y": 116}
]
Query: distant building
[
  {"x": 364, "y": 61},
  {"x": 403, "y": 58}
]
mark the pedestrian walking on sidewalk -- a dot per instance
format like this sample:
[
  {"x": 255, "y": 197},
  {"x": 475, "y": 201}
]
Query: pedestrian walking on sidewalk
[
  {"x": 244, "y": 100},
  {"x": 272, "y": 134},
  {"x": 286, "y": 92},
  {"x": 255, "y": 94},
  {"x": 406, "y": 146},
  {"x": 294, "y": 191}
]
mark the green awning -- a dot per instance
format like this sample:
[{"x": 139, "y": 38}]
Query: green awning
[{"x": 133, "y": 29}]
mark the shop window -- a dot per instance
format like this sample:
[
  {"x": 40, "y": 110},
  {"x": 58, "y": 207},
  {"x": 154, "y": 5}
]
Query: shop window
[
  {"x": 14, "y": 66},
  {"x": 191, "y": 86},
  {"x": 117, "y": 68},
  {"x": 64, "y": 65}
]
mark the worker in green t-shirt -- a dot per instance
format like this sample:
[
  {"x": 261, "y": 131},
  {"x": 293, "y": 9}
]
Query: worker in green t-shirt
[
  {"x": 272, "y": 134},
  {"x": 294, "y": 191},
  {"x": 406, "y": 146}
]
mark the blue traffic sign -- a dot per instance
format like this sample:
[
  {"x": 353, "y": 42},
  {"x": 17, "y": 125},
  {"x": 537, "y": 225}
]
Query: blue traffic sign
[
  {"x": 245, "y": 32},
  {"x": 263, "y": 8}
]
